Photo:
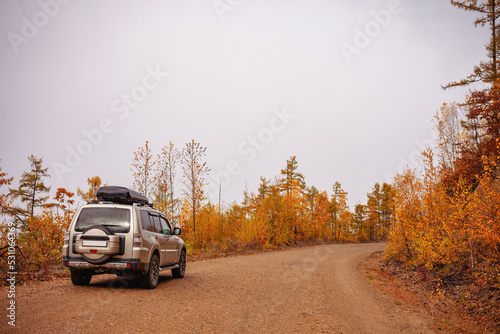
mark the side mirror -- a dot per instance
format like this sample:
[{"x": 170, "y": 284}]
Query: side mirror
[{"x": 177, "y": 231}]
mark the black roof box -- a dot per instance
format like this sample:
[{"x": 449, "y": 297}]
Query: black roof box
[{"x": 120, "y": 195}]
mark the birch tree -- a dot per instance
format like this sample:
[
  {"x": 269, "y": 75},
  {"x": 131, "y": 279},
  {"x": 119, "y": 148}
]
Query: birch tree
[
  {"x": 143, "y": 168},
  {"x": 166, "y": 171},
  {"x": 194, "y": 170}
]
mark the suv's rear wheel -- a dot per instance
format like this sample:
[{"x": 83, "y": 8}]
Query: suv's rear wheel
[
  {"x": 81, "y": 277},
  {"x": 150, "y": 280},
  {"x": 179, "y": 272}
]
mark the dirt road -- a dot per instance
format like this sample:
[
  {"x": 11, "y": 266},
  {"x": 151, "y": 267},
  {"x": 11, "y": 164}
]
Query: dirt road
[{"x": 318, "y": 289}]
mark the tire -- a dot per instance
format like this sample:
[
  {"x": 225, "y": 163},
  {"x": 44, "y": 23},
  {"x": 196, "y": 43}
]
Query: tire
[
  {"x": 81, "y": 277},
  {"x": 150, "y": 280},
  {"x": 179, "y": 272}
]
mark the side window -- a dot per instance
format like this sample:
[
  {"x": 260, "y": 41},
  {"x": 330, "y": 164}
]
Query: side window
[
  {"x": 165, "y": 226},
  {"x": 145, "y": 222},
  {"x": 157, "y": 224}
]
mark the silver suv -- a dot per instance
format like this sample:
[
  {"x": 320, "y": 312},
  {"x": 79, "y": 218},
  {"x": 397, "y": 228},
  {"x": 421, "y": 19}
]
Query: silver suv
[{"x": 122, "y": 233}]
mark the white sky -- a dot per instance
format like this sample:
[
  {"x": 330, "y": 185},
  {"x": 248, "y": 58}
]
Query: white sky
[{"x": 230, "y": 69}]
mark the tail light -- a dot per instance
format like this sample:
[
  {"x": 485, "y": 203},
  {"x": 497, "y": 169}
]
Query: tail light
[
  {"x": 137, "y": 240},
  {"x": 66, "y": 239}
]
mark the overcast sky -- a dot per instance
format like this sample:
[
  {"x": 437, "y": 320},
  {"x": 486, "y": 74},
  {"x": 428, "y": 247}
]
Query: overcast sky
[{"x": 347, "y": 86}]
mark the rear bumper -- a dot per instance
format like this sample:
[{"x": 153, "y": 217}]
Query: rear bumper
[{"x": 122, "y": 264}]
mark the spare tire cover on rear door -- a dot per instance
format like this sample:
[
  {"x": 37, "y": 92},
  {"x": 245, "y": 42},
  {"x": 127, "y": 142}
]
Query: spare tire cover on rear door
[{"x": 97, "y": 244}]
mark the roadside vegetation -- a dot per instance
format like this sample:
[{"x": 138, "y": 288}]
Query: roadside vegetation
[
  {"x": 446, "y": 227},
  {"x": 447, "y": 215}
]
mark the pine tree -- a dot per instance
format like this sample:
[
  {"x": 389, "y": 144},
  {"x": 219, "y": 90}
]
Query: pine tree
[
  {"x": 311, "y": 209},
  {"x": 374, "y": 212},
  {"x": 387, "y": 209},
  {"x": 338, "y": 210},
  {"x": 380, "y": 210},
  {"x": 292, "y": 185},
  {"x": 489, "y": 11},
  {"x": 30, "y": 192},
  {"x": 291, "y": 180},
  {"x": 5, "y": 201},
  {"x": 359, "y": 223},
  {"x": 263, "y": 188}
]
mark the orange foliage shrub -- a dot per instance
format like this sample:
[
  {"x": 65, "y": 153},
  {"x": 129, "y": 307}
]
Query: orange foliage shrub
[
  {"x": 450, "y": 214},
  {"x": 40, "y": 244}
]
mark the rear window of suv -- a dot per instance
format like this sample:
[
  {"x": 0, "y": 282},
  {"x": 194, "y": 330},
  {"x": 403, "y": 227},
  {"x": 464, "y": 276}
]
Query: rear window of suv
[{"x": 116, "y": 219}]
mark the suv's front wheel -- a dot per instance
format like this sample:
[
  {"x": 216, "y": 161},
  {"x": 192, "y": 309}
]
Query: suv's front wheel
[
  {"x": 150, "y": 280},
  {"x": 81, "y": 277}
]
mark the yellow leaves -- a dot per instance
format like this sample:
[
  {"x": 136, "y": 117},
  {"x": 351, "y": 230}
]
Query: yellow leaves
[
  {"x": 436, "y": 227},
  {"x": 94, "y": 184},
  {"x": 484, "y": 213}
]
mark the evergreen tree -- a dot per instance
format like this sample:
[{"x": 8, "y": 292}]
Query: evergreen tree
[
  {"x": 338, "y": 210},
  {"x": 374, "y": 212},
  {"x": 311, "y": 208},
  {"x": 380, "y": 209},
  {"x": 291, "y": 184},
  {"x": 5, "y": 202},
  {"x": 489, "y": 12},
  {"x": 291, "y": 180},
  {"x": 31, "y": 192},
  {"x": 359, "y": 223},
  {"x": 387, "y": 209}
]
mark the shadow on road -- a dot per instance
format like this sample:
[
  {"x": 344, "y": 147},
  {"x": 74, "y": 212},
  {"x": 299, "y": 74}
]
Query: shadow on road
[{"x": 109, "y": 281}]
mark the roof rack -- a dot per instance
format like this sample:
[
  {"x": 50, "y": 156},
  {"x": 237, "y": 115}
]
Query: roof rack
[{"x": 144, "y": 204}]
